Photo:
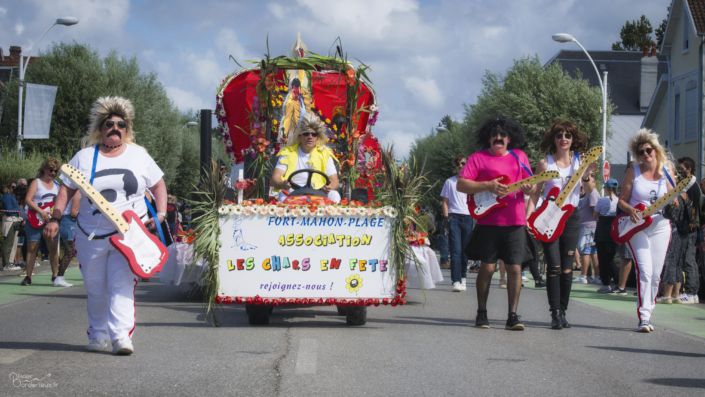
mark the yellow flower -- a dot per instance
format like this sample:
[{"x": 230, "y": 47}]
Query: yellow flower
[
  {"x": 275, "y": 122},
  {"x": 327, "y": 121},
  {"x": 353, "y": 283}
]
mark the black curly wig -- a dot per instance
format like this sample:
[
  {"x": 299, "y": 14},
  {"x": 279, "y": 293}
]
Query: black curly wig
[{"x": 500, "y": 122}]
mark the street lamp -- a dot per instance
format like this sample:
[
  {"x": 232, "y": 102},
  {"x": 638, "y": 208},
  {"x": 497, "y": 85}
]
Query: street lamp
[
  {"x": 566, "y": 38},
  {"x": 66, "y": 21},
  {"x": 190, "y": 124}
]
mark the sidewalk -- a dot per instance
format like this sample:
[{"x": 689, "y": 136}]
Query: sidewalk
[{"x": 12, "y": 291}]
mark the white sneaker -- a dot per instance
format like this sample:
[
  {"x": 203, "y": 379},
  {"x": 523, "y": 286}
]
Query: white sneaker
[
  {"x": 97, "y": 345},
  {"x": 696, "y": 298},
  {"x": 502, "y": 283},
  {"x": 687, "y": 299},
  {"x": 596, "y": 280},
  {"x": 12, "y": 267},
  {"x": 651, "y": 327},
  {"x": 604, "y": 289},
  {"x": 59, "y": 281},
  {"x": 643, "y": 326},
  {"x": 524, "y": 279},
  {"x": 581, "y": 280},
  {"x": 123, "y": 347},
  {"x": 463, "y": 284},
  {"x": 457, "y": 287}
]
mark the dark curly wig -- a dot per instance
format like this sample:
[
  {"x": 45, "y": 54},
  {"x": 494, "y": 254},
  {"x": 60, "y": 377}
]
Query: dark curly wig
[
  {"x": 500, "y": 122},
  {"x": 548, "y": 145}
]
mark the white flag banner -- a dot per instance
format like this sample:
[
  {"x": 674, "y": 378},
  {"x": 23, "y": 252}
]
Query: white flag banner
[{"x": 39, "y": 104}]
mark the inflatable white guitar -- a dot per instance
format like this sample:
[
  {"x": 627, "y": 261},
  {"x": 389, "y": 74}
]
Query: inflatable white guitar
[
  {"x": 144, "y": 251},
  {"x": 548, "y": 221},
  {"x": 481, "y": 204},
  {"x": 623, "y": 228}
]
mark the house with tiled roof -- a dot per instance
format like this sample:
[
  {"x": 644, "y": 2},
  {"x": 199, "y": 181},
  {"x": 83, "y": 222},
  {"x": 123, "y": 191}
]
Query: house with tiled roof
[
  {"x": 9, "y": 67},
  {"x": 632, "y": 77},
  {"x": 676, "y": 109}
]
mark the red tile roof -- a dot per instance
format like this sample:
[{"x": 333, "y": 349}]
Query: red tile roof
[
  {"x": 13, "y": 61},
  {"x": 697, "y": 10}
]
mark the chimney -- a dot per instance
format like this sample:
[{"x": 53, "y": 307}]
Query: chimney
[
  {"x": 649, "y": 74},
  {"x": 15, "y": 51}
]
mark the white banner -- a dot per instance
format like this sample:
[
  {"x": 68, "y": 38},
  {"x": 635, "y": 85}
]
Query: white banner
[
  {"x": 344, "y": 257},
  {"x": 39, "y": 104}
]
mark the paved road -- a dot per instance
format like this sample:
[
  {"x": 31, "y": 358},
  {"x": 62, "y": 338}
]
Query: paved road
[{"x": 426, "y": 348}]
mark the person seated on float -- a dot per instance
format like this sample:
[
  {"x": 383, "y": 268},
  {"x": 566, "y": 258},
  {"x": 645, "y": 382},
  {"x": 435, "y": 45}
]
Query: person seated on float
[{"x": 307, "y": 150}]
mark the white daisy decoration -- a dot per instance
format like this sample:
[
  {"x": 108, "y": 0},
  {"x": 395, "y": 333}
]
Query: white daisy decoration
[
  {"x": 222, "y": 210},
  {"x": 304, "y": 211},
  {"x": 321, "y": 211},
  {"x": 385, "y": 211},
  {"x": 272, "y": 210},
  {"x": 263, "y": 210},
  {"x": 287, "y": 212},
  {"x": 393, "y": 213},
  {"x": 236, "y": 210}
]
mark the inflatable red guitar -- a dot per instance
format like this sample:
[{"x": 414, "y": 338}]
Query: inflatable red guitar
[
  {"x": 144, "y": 252},
  {"x": 483, "y": 203},
  {"x": 35, "y": 219},
  {"x": 623, "y": 228},
  {"x": 548, "y": 221}
]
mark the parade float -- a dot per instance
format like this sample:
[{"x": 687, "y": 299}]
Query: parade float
[{"x": 308, "y": 251}]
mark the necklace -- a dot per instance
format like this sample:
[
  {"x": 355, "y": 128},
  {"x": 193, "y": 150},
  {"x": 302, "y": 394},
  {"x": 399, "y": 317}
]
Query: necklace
[{"x": 111, "y": 147}]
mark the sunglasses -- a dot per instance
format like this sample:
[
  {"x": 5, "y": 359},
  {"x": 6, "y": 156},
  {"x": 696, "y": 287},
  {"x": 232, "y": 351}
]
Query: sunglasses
[
  {"x": 560, "y": 135},
  {"x": 110, "y": 123},
  {"x": 13, "y": 186},
  {"x": 648, "y": 150},
  {"x": 53, "y": 171},
  {"x": 460, "y": 164},
  {"x": 503, "y": 134},
  {"x": 307, "y": 134}
]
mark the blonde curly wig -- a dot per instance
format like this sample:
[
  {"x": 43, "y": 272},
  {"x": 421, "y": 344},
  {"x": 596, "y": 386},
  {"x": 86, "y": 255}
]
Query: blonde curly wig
[
  {"x": 310, "y": 123},
  {"x": 646, "y": 136},
  {"x": 103, "y": 108}
]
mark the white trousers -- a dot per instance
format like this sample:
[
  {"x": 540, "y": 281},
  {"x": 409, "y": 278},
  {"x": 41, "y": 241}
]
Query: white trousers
[
  {"x": 110, "y": 285},
  {"x": 648, "y": 248}
]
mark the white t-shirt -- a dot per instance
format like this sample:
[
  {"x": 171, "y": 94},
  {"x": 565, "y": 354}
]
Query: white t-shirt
[
  {"x": 121, "y": 180},
  {"x": 607, "y": 206},
  {"x": 457, "y": 201},
  {"x": 303, "y": 164}
]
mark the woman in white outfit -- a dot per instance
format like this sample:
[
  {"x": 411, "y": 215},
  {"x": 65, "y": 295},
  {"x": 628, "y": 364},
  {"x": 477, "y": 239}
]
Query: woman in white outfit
[
  {"x": 645, "y": 183},
  {"x": 121, "y": 171}
]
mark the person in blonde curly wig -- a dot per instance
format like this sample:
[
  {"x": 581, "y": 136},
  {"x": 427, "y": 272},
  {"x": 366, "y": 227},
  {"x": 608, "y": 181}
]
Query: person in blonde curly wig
[
  {"x": 650, "y": 178},
  {"x": 103, "y": 109},
  {"x": 307, "y": 150},
  {"x": 122, "y": 172}
]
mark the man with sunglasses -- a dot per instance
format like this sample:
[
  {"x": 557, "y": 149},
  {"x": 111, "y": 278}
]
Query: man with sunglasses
[
  {"x": 457, "y": 225},
  {"x": 501, "y": 234},
  {"x": 307, "y": 150}
]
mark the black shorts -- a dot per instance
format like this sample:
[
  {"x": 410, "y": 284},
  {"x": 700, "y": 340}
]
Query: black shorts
[{"x": 490, "y": 243}]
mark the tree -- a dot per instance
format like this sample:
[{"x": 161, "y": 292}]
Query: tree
[
  {"x": 438, "y": 149},
  {"x": 635, "y": 36},
  {"x": 537, "y": 96},
  {"x": 82, "y": 76},
  {"x": 661, "y": 30}
]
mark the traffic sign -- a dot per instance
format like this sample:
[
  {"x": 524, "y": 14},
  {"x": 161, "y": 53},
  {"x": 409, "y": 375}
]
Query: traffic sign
[{"x": 606, "y": 171}]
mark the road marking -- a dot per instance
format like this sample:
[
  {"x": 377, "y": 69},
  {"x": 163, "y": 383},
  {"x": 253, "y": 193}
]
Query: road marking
[
  {"x": 306, "y": 358},
  {"x": 9, "y": 356}
]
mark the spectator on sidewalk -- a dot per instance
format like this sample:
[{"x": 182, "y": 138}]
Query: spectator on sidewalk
[
  {"x": 586, "y": 239},
  {"x": 691, "y": 283},
  {"x": 11, "y": 222},
  {"x": 459, "y": 221},
  {"x": 605, "y": 212}
]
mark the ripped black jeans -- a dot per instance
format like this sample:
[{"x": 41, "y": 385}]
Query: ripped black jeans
[{"x": 559, "y": 255}]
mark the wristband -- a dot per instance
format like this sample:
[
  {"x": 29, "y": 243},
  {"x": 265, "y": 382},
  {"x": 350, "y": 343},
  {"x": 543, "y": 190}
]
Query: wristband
[
  {"x": 586, "y": 180},
  {"x": 52, "y": 219},
  {"x": 163, "y": 214}
]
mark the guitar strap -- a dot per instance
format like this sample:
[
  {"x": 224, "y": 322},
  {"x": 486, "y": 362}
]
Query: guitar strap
[
  {"x": 527, "y": 169},
  {"x": 669, "y": 177},
  {"x": 156, "y": 220}
]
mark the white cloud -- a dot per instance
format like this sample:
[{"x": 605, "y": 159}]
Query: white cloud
[
  {"x": 277, "y": 10},
  {"x": 3, "y": 11},
  {"x": 205, "y": 68},
  {"x": 425, "y": 91},
  {"x": 227, "y": 44},
  {"x": 19, "y": 28},
  {"x": 186, "y": 100}
]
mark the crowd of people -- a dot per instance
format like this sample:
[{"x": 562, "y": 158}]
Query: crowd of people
[{"x": 502, "y": 241}]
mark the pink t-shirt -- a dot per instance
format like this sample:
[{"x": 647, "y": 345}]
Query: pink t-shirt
[{"x": 484, "y": 166}]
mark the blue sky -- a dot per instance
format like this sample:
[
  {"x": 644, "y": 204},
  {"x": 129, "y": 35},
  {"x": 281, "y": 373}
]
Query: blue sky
[{"x": 428, "y": 57}]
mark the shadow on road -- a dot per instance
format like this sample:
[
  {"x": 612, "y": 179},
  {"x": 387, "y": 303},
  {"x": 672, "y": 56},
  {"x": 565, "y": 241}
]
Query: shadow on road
[
  {"x": 650, "y": 351},
  {"x": 41, "y": 346},
  {"x": 678, "y": 382}
]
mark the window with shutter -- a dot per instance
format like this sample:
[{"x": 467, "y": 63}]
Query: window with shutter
[
  {"x": 686, "y": 31},
  {"x": 691, "y": 112}
]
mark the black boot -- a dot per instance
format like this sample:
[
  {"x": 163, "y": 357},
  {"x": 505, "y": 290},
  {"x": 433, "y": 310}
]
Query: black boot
[
  {"x": 539, "y": 283},
  {"x": 556, "y": 322},
  {"x": 564, "y": 322}
]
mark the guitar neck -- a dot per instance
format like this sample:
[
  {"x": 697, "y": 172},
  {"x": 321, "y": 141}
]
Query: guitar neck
[
  {"x": 681, "y": 187},
  {"x": 542, "y": 177},
  {"x": 78, "y": 178},
  {"x": 575, "y": 179}
]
